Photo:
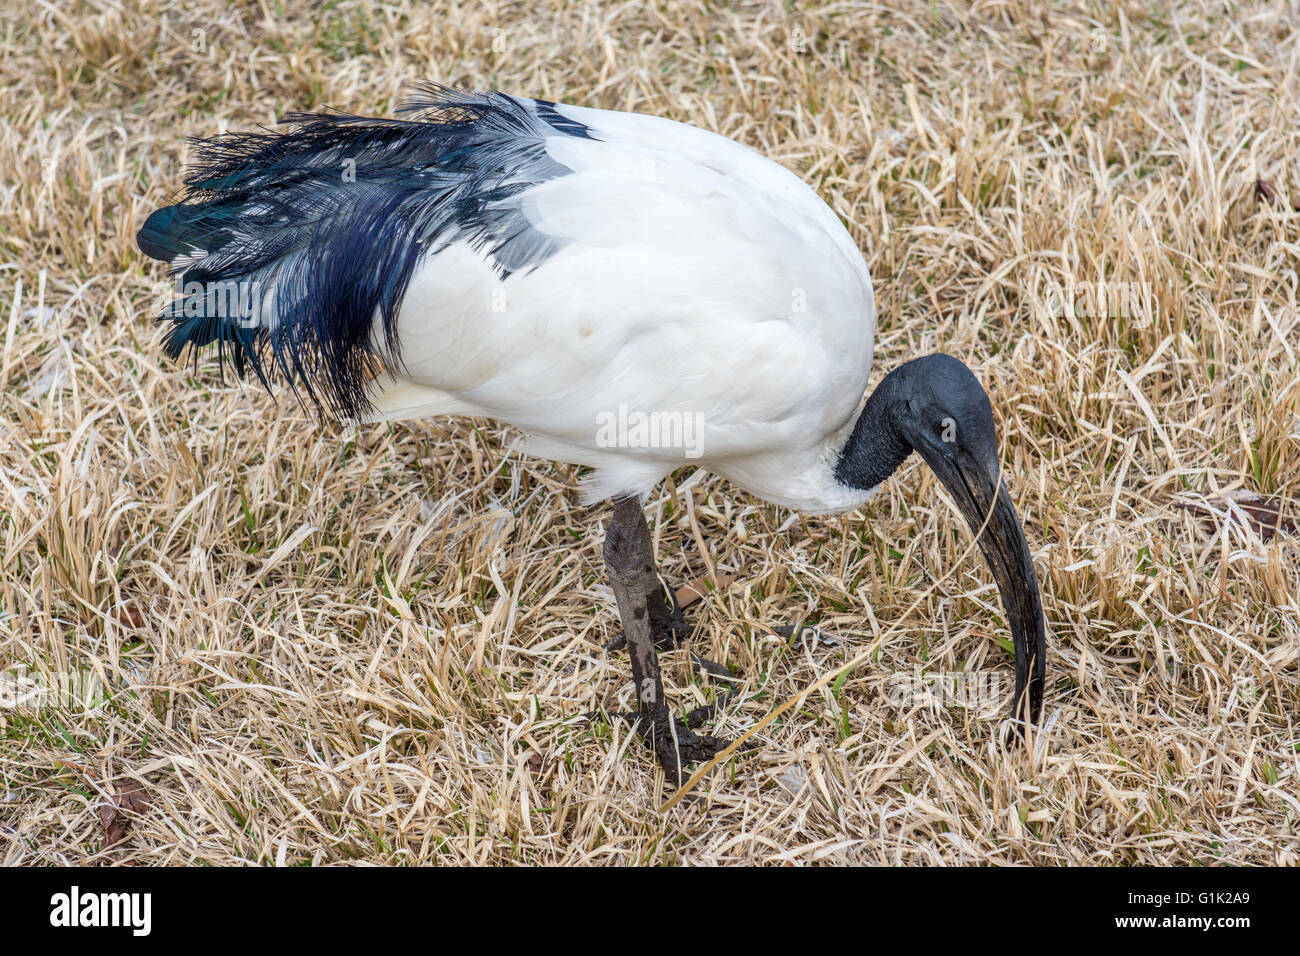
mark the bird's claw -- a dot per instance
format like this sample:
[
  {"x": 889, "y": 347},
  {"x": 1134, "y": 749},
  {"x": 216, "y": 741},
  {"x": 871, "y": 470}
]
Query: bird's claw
[
  {"x": 674, "y": 742},
  {"x": 673, "y": 739}
]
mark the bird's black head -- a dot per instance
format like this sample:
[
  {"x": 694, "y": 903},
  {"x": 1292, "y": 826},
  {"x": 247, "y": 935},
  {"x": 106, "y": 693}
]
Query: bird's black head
[
  {"x": 943, "y": 413},
  {"x": 936, "y": 407}
]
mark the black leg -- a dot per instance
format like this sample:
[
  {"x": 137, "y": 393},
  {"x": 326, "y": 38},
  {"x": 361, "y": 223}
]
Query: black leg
[
  {"x": 668, "y": 625},
  {"x": 629, "y": 556}
]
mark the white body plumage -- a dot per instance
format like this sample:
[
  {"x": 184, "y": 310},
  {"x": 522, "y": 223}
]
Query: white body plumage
[{"x": 699, "y": 287}]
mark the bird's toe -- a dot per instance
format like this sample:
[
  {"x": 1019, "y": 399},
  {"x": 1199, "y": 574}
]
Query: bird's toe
[{"x": 676, "y": 745}]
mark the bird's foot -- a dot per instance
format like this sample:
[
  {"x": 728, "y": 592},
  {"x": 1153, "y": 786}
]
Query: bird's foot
[{"x": 673, "y": 740}]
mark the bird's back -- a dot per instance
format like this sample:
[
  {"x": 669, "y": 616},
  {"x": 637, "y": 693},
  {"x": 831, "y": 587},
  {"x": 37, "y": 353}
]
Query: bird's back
[{"x": 632, "y": 292}]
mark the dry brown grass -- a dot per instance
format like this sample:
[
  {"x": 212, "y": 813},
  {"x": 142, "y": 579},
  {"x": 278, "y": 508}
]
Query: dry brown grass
[{"x": 330, "y": 644}]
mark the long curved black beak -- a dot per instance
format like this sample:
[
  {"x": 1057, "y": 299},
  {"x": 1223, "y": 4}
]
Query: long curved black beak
[{"x": 977, "y": 490}]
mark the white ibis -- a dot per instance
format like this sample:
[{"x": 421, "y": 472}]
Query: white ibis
[{"x": 633, "y": 293}]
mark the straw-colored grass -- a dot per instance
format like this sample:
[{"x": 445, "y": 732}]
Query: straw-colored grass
[{"x": 327, "y": 643}]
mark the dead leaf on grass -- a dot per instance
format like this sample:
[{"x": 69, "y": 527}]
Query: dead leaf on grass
[
  {"x": 1266, "y": 515},
  {"x": 128, "y": 798},
  {"x": 693, "y": 591}
]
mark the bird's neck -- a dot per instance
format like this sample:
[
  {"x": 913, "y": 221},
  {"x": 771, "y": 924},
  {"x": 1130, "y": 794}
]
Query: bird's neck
[
  {"x": 846, "y": 466},
  {"x": 876, "y": 447}
]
